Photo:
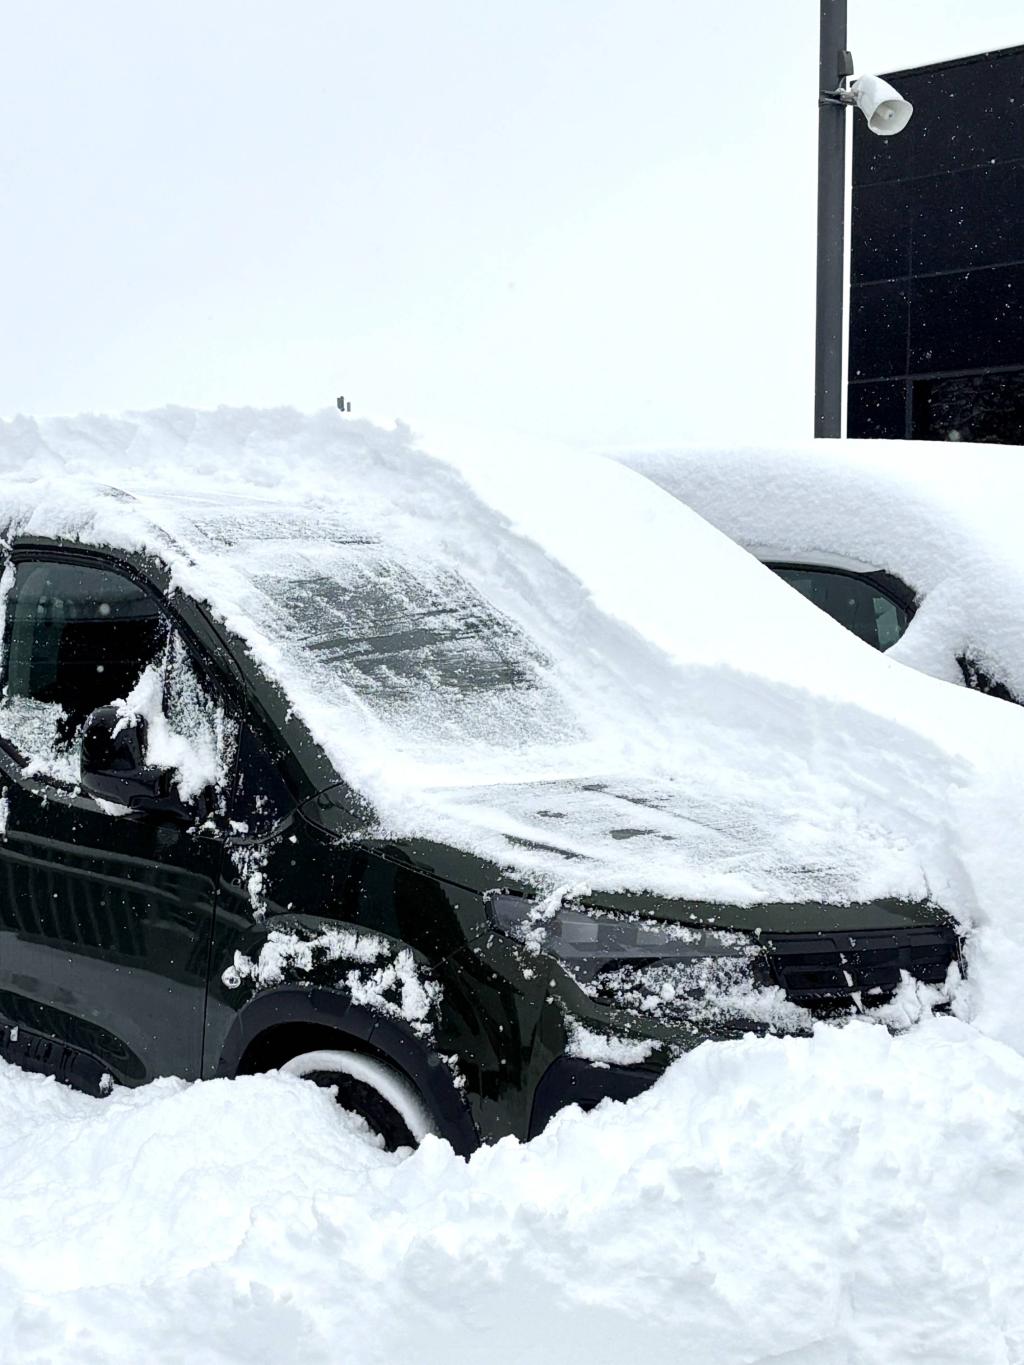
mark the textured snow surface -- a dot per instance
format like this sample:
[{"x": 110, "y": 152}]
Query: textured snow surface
[
  {"x": 943, "y": 517},
  {"x": 841, "y": 1200}
]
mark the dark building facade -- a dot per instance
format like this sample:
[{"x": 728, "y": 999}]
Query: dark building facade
[{"x": 937, "y": 259}]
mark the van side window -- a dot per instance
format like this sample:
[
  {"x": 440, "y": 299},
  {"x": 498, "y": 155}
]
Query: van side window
[
  {"x": 262, "y": 799},
  {"x": 77, "y": 638}
]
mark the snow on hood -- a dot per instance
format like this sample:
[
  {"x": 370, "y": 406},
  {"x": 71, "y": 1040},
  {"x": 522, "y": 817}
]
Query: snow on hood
[
  {"x": 540, "y": 658},
  {"x": 943, "y": 517}
]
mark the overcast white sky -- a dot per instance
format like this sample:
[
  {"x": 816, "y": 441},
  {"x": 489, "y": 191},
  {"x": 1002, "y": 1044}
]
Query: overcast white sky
[{"x": 588, "y": 219}]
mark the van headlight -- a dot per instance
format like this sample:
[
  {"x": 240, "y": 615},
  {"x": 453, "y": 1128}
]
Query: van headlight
[{"x": 591, "y": 942}]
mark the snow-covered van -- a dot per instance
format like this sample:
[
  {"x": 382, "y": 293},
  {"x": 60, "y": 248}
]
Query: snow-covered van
[{"x": 450, "y": 784}]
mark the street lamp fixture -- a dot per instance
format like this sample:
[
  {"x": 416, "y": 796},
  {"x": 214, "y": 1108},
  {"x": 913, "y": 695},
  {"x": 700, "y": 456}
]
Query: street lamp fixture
[
  {"x": 887, "y": 112},
  {"x": 885, "y": 109}
]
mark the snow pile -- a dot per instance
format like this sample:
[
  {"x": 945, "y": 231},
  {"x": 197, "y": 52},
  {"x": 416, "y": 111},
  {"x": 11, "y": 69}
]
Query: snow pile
[
  {"x": 945, "y": 518},
  {"x": 841, "y": 1200}
]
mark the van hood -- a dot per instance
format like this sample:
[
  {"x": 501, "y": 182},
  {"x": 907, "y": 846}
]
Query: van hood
[{"x": 629, "y": 844}]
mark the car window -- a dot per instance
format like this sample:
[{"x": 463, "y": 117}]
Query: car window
[
  {"x": 77, "y": 638},
  {"x": 854, "y": 602},
  {"x": 261, "y": 798}
]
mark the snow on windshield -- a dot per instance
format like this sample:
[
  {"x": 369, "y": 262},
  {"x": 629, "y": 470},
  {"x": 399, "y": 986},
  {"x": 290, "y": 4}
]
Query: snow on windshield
[
  {"x": 488, "y": 728},
  {"x": 410, "y": 639}
]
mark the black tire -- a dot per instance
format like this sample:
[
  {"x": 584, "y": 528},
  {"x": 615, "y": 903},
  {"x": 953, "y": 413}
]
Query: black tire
[
  {"x": 359, "y": 1098},
  {"x": 384, "y": 1099}
]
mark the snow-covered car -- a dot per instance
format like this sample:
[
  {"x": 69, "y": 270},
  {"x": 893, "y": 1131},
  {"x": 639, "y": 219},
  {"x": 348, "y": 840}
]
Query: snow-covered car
[
  {"x": 914, "y": 547},
  {"x": 323, "y": 754}
]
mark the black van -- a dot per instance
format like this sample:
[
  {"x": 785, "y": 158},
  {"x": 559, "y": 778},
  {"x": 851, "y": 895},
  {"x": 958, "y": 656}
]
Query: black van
[{"x": 187, "y": 886}]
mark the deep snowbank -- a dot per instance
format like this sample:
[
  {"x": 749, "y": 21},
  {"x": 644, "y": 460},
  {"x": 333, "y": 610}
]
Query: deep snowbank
[{"x": 840, "y": 1200}]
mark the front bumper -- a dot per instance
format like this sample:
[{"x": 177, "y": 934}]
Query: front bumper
[
  {"x": 825, "y": 973},
  {"x": 571, "y": 1080}
]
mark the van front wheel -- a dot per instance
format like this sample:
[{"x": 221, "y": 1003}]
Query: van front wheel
[{"x": 382, "y": 1097}]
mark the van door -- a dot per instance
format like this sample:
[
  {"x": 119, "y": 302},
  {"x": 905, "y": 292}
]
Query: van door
[{"x": 105, "y": 915}]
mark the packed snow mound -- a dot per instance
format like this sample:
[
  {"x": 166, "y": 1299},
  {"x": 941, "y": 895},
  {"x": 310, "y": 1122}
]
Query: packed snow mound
[
  {"x": 840, "y": 1200},
  {"x": 944, "y": 518},
  {"x": 545, "y": 660}
]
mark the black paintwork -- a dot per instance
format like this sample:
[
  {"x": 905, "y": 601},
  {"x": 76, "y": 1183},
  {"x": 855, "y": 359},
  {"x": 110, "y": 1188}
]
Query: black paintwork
[{"x": 125, "y": 940}]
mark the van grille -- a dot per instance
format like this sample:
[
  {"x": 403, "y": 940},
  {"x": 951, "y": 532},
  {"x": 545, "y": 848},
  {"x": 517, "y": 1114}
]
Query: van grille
[{"x": 829, "y": 969}]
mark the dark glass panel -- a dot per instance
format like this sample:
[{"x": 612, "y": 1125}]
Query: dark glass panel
[
  {"x": 878, "y": 330},
  {"x": 967, "y": 113},
  {"x": 980, "y": 407},
  {"x": 968, "y": 219},
  {"x": 877, "y": 409},
  {"x": 880, "y": 233},
  {"x": 967, "y": 321}
]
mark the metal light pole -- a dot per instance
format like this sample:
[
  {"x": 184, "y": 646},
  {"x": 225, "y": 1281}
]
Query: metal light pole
[
  {"x": 887, "y": 113},
  {"x": 834, "y": 66}
]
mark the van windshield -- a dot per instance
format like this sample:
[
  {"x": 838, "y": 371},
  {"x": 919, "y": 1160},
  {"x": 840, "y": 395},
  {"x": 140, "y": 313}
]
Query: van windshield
[{"x": 402, "y": 638}]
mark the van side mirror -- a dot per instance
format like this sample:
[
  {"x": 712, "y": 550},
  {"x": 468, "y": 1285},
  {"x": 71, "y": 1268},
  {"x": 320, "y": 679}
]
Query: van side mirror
[{"x": 114, "y": 767}]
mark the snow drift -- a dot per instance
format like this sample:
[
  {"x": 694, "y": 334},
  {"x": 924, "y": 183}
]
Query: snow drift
[{"x": 835, "y": 1201}]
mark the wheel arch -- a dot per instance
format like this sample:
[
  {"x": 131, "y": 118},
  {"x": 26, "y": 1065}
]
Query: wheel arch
[{"x": 278, "y": 1024}]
